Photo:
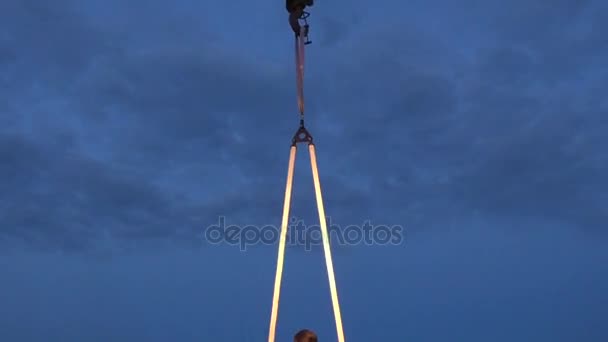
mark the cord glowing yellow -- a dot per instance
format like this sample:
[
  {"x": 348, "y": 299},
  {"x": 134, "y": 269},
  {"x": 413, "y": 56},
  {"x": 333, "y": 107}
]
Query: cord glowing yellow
[
  {"x": 326, "y": 248},
  {"x": 281, "y": 256}
]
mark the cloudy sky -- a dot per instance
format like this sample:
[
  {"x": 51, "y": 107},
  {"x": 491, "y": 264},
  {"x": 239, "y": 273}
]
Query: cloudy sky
[{"x": 129, "y": 127}]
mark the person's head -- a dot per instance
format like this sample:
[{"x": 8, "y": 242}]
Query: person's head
[{"x": 305, "y": 336}]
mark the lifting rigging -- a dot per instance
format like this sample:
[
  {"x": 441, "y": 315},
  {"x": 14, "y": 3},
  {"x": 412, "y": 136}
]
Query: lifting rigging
[{"x": 300, "y": 27}]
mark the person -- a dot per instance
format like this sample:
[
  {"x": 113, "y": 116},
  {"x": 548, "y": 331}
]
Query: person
[
  {"x": 296, "y": 9},
  {"x": 305, "y": 335}
]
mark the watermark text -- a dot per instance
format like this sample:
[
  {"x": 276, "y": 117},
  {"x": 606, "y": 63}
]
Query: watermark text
[{"x": 301, "y": 234}]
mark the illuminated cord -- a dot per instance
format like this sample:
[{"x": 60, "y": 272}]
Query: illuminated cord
[
  {"x": 326, "y": 244},
  {"x": 281, "y": 256},
  {"x": 326, "y": 247}
]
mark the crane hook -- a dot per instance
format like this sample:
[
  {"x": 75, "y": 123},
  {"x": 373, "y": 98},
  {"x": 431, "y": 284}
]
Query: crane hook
[{"x": 296, "y": 9}]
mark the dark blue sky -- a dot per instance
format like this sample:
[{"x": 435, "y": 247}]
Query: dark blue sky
[{"x": 478, "y": 126}]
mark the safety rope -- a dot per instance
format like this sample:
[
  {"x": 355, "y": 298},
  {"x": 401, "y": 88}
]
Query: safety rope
[{"x": 303, "y": 136}]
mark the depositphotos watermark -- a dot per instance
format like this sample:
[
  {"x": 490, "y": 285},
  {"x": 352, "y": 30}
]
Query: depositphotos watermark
[{"x": 301, "y": 234}]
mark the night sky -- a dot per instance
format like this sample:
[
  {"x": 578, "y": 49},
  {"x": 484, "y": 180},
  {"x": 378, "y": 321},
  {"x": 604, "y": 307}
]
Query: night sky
[{"x": 127, "y": 128}]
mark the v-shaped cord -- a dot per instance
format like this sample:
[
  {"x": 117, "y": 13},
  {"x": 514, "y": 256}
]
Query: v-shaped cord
[{"x": 303, "y": 136}]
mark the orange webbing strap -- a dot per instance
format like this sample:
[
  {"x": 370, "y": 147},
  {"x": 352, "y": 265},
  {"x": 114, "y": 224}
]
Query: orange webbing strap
[
  {"x": 300, "y": 69},
  {"x": 326, "y": 246}
]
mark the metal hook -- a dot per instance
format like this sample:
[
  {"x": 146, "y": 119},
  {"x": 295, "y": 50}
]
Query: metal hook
[
  {"x": 303, "y": 17},
  {"x": 307, "y": 40}
]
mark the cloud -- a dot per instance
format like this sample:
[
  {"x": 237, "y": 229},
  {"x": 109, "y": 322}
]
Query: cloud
[
  {"x": 129, "y": 127},
  {"x": 90, "y": 156},
  {"x": 148, "y": 128},
  {"x": 503, "y": 128}
]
